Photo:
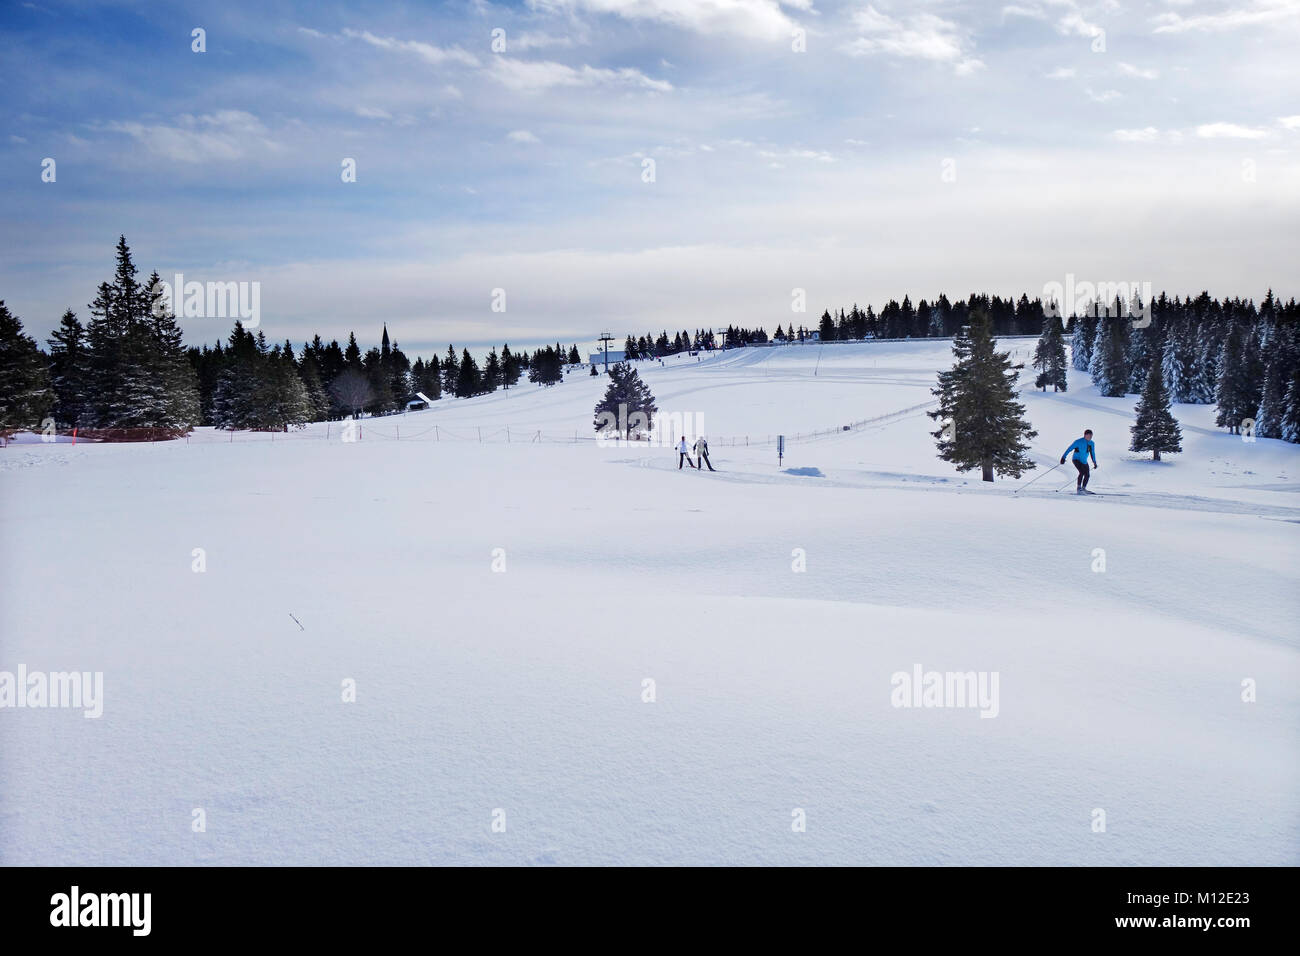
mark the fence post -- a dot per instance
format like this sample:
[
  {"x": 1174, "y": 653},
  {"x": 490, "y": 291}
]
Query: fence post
[
  {"x": 507, "y": 434},
  {"x": 480, "y": 434},
  {"x": 398, "y": 429},
  {"x": 435, "y": 433},
  {"x": 327, "y": 431}
]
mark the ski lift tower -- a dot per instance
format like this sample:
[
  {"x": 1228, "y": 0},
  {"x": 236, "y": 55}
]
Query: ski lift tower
[{"x": 606, "y": 338}]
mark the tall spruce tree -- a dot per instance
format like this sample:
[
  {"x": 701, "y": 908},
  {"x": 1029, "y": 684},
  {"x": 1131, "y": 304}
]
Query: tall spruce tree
[
  {"x": 1109, "y": 366},
  {"x": 1236, "y": 391},
  {"x": 982, "y": 424},
  {"x": 1156, "y": 430},
  {"x": 25, "y": 393},
  {"x": 450, "y": 371},
  {"x": 1280, "y": 360},
  {"x": 1178, "y": 361},
  {"x": 1081, "y": 339},
  {"x": 1049, "y": 356},
  {"x": 169, "y": 364},
  {"x": 509, "y": 367},
  {"x": 70, "y": 372},
  {"x": 626, "y": 396},
  {"x": 469, "y": 380},
  {"x": 492, "y": 372},
  {"x": 1290, "y": 426}
]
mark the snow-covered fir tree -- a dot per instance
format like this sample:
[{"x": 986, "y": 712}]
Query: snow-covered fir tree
[
  {"x": 1179, "y": 361},
  {"x": 1085, "y": 331},
  {"x": 1109, "y": 366},
  {"x": 1049, "y": 356},
  {"x": 469, "y": 380},
  {"x": 1156, "y": 430},
  {"x": 981, "y": 423},
  {"x": 1236, "y": 392},
  {"x": 626, "y": 396},
  {"x": 70, "y": 372},
  {"x": 1290, "y": 426},
  {"x": 25, "y": 393}
]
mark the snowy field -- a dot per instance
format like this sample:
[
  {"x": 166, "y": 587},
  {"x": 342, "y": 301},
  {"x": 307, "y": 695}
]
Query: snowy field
[{"x": 500, "y": 606}]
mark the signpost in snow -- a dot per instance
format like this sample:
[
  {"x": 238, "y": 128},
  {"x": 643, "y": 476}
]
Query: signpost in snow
[{"x": 780, "y": 449}]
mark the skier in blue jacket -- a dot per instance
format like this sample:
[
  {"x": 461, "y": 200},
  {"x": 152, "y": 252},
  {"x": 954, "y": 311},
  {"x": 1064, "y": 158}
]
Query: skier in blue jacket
[{"x": 1082, "y": 449}]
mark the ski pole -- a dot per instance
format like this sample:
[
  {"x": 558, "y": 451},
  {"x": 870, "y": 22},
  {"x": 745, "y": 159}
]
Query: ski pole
[{"x": 1043, "y": 475}]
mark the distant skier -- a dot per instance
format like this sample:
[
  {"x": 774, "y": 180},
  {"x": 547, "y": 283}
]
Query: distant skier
[
  {"x": 1082, "y": 449},
  {"x": 702, "y": 454},
  {"x": 683, "y": 455}
]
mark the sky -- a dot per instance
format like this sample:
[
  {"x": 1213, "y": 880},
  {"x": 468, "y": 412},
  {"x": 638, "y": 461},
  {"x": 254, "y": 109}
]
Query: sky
[{"x": 551, "y": 169}]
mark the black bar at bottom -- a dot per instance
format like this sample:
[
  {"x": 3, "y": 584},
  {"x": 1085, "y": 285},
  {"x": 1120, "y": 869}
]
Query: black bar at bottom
[{"x": 301, "y": 904}]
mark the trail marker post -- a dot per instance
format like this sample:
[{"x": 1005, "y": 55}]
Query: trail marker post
[{"x": 780, "y": 449}]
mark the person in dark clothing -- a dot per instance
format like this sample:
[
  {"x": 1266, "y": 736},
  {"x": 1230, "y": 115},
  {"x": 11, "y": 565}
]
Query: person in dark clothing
[
  {"x": 1079, "y": 453},
  {"x": 702, "y": 454}
]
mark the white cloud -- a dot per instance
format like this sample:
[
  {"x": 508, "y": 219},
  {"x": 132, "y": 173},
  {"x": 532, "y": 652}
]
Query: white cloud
[
  {"x": 426, "y": 51},
  {"x": 753, "y": 19},
  {"x": 1128, "y": 69},
  {"x": 1105, "y": 96},
  {"x": 1068, "y": 16},
  {"x": 813, "y": 154},
  {"x": 920, "y": 36},
  {"x": 223, "y": 135},
  {"x": 1031, "y": 13},
  {"x": 522, "y": 136},
  {"x": 371, "y": 112},
  {"x": 1289, "y": 122},
  {"x": 535, "y": 75},
  {"x": 1229, "y": 131},
  {"x": 536, "y": 41},
  {"x": 1062, "y": 73},
  {"x": 1255, "y": 13}
]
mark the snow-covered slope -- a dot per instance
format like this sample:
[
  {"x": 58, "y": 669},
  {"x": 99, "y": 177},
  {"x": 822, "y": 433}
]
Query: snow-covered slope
[{"x": 500, "y": 606}]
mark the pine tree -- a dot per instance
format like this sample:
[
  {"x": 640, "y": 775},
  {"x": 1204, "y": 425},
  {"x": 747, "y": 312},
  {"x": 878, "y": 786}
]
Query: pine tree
[
  {"x": 1156, "y": 430},
  {"x": 983, "y": 425},
  {"x": 1178, "y": 362},
  {"x": 381, "y": 392},
  {"x": 826, "y": 327},
  {"x": 1234, "y": 394},
  {"x": 125, "y": 390},
  {"x": 509, "y": 367},
  {"x": 399, "y": 376},
  {"x": 1281, "y": 359},
  {"x": 628, "y": 402},
  {"x": 25, "y": 393},
  {"x": 318, "y": 403},
  {"x": 1290, "y": 427},
  {"x": 70, "y": 372},
  {"x": 450, "y": 371},
  {"x": 170, "y": 366},
  {"x": 1085, "y": 331},
  {"x": 469, "y": 380},
  {"x": 545, "y": 368},
  {"x": 1109, "y": 368},
  {"x": 492, "y": 372},
  {"x": 352, "y": 354},
  {"x": 1049, "y": 357}
]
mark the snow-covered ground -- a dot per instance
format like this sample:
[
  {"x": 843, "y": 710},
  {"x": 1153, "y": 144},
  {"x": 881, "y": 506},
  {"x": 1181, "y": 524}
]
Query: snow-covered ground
[{"x": 500, "y": 606}]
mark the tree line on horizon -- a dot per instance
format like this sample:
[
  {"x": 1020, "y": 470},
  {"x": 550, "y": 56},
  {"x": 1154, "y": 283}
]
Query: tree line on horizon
[{"x": 127, "y": 368}]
